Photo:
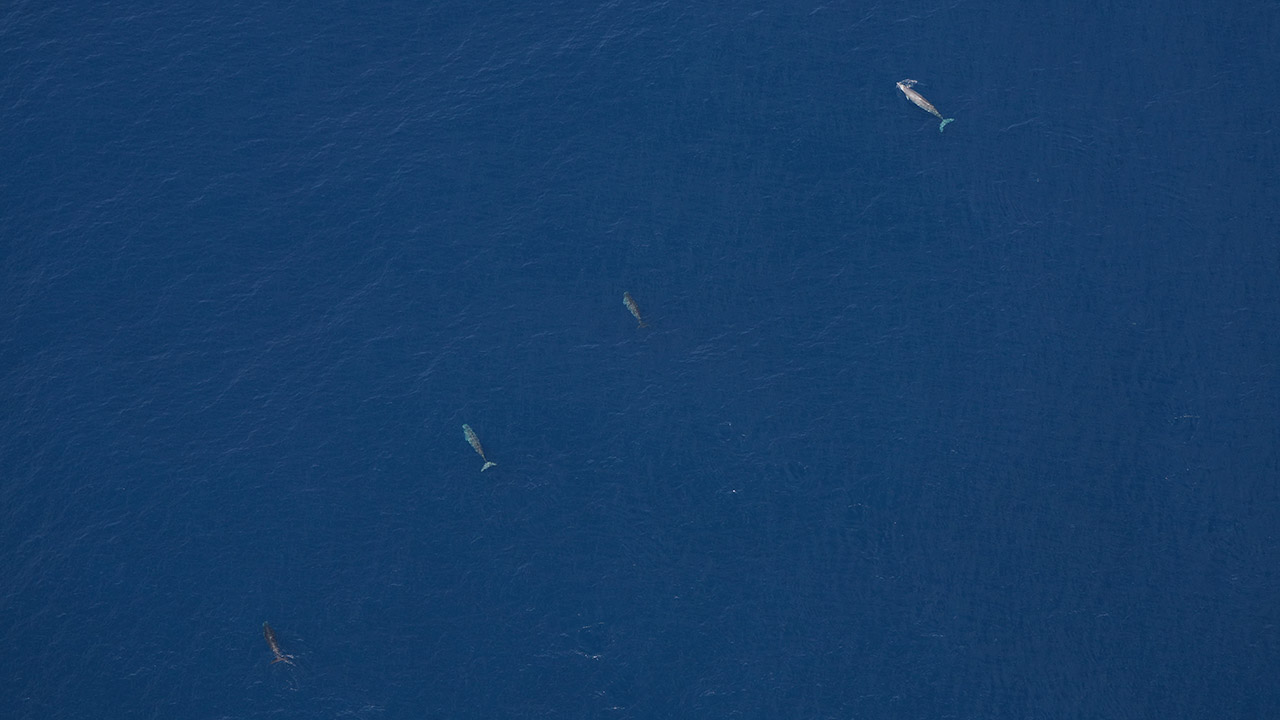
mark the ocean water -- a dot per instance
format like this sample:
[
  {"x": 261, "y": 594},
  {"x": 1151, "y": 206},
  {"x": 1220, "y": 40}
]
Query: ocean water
[{"x": 971, "y": 424}]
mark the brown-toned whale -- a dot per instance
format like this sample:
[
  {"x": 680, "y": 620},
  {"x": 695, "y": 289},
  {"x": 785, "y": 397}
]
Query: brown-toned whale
[
  {"x": 634, "y": 308},
  {"x": 918, "y": 99}
]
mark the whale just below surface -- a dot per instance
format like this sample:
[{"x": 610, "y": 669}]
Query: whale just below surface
[{"x": 918, "y": 99}]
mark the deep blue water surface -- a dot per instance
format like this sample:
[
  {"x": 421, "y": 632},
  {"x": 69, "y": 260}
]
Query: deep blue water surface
[{"x": 973, "y": 424}]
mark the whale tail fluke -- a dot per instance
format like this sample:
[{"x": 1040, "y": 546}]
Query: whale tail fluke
[{"x": 942, "y": 126}]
